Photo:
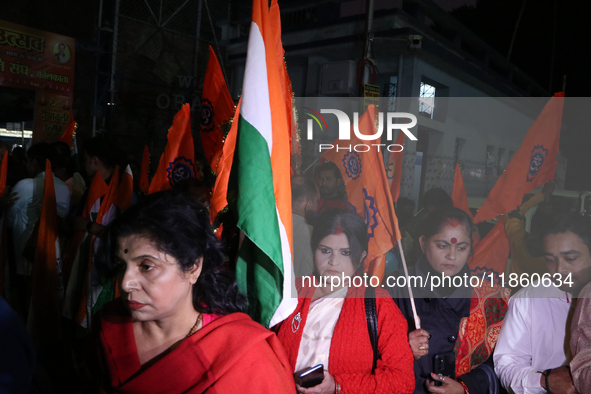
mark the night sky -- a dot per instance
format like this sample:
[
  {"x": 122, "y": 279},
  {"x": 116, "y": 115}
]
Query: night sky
[{"x": 545, "y": 24}]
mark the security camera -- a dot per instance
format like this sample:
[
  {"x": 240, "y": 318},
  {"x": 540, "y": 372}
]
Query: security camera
[{"x": 415, "y": 41}]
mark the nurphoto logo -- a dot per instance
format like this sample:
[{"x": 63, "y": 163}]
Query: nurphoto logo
[{"x": 392, "y": 123}]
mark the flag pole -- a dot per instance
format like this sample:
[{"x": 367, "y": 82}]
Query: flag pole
[
  {"x": 411, "y": 296},
  {"x": 403, "y": 259},
  {"x": 314, "y": 162}
]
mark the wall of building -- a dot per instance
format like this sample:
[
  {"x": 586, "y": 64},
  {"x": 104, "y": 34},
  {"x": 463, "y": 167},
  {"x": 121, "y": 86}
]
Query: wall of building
[{"x": 489, "y": 130}]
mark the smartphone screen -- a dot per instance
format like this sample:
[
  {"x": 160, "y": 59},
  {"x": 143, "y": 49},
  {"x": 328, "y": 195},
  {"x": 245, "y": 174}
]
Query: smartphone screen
[{"x": 311, "y": 377}]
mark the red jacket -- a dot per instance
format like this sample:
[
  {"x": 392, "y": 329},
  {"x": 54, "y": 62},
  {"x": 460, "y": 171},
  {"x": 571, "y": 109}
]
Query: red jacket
[{"x": 351, "y": 354}]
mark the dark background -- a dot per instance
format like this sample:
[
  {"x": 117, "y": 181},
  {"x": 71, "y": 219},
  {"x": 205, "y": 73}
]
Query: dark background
[{"x": 551, "y": 44}]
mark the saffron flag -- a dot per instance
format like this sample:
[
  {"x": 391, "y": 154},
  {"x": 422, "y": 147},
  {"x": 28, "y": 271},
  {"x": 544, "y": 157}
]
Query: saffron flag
[
  {"x": 144, "y": 180},
  {"x": 533, "y": 164},
  {"x": 217, "y": 109},
  {"x": 124, "y": 194},
  {"x": 98, "y": 188},
  {"x": 492, "y": 252},
  {"x": 92, "y": 291},
  {"x": 367, "y": 189},
  {"x": 45, "y": 311},
  {"x": 219, "y": 194},
  {"x": 178, "y": 160},
  {"x": 286, "y": 87},
  {"x": 109, "y": 199},
  {"x": 82, "y": 293},
  {"x": 68, "y": 135},
  {"x": 458, "y": 195},
  {"x": 261, "y": 169},
  {"x": 394, "y": 168}
]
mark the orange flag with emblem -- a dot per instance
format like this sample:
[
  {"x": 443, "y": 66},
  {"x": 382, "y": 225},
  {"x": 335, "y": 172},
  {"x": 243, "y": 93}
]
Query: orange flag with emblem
[
  {"x": 144, "y": 180},
  {"x": 459, "y": 196},
  {"x": 45, "y": 311},
  {"x": 217, "y": 108},
  {"x": 178, "y": 160},
  {"x": 368, "y": 190},
  {"x": 533, "y": 164}
]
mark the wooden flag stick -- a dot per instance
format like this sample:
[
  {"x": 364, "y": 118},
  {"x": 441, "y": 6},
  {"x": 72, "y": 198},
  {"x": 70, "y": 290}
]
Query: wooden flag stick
[{"x": 412, "y": 299}]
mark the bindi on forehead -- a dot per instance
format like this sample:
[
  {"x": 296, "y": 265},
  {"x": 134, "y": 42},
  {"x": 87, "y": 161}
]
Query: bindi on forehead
[{"x": 454, "y": 241}]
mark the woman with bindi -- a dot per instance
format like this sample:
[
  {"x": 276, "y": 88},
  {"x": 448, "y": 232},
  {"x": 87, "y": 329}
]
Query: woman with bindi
[
  {"x": 458, "y": 312},
  {"x": 329, "y": 326},
  {"x": 177, "y": 326}
]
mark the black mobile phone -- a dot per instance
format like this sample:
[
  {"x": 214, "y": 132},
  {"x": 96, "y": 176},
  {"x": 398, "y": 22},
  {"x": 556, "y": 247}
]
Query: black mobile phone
[
  {"x": 311, "y": 377},
  {"x": 444, "y": 364}
]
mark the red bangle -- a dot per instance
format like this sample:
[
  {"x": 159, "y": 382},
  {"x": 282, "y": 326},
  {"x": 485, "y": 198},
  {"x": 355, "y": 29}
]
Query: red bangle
[{"x": 464, "y": 386}]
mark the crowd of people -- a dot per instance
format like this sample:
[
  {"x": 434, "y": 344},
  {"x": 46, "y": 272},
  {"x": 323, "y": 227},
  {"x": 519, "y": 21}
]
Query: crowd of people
[{"x": 161, "y": 311}]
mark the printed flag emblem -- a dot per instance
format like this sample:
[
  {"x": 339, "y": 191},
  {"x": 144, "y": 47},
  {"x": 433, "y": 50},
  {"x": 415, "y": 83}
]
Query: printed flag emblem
[
  {"x": 390, "y": 171},
  {"x": 352, "y": 164},
  {"x": 538, "y": 155},
  {"x": 207, "y": 116},
  {"x": 181, "y": 168},
  {"x": 370, "y": 212}
]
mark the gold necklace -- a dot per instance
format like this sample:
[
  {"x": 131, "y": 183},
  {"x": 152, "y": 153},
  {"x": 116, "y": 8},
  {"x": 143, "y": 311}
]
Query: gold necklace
[{"x": 193, "y": 329}]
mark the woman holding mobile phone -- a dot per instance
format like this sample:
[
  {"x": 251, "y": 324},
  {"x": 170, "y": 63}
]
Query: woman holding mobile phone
[
  {"x": 329, "y": 325},
  {"x": 459, "y": 324}
]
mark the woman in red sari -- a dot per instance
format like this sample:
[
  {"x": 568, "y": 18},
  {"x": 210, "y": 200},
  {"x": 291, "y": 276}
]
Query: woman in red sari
[
  {"x": 177, "y": 327},
  {"x": 329, "y": 325}
]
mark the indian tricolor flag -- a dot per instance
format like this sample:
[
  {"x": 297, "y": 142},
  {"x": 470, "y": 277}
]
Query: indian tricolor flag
[{"x": 261, "y": 178}]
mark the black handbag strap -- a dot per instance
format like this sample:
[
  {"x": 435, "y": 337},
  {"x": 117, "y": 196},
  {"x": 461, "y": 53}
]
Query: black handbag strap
[
  {"x": 371, "y": 316},
  {"x": 493, "y": 380}
]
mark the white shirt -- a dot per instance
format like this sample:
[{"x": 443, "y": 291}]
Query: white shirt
[
  {"x": 533, "y": 338},
  {"x": 26, "y": 211},
  {"x": 317, "y": 336}
]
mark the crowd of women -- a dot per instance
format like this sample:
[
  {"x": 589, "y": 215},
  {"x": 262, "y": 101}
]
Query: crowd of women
[{"x": 178, "y": 325}]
